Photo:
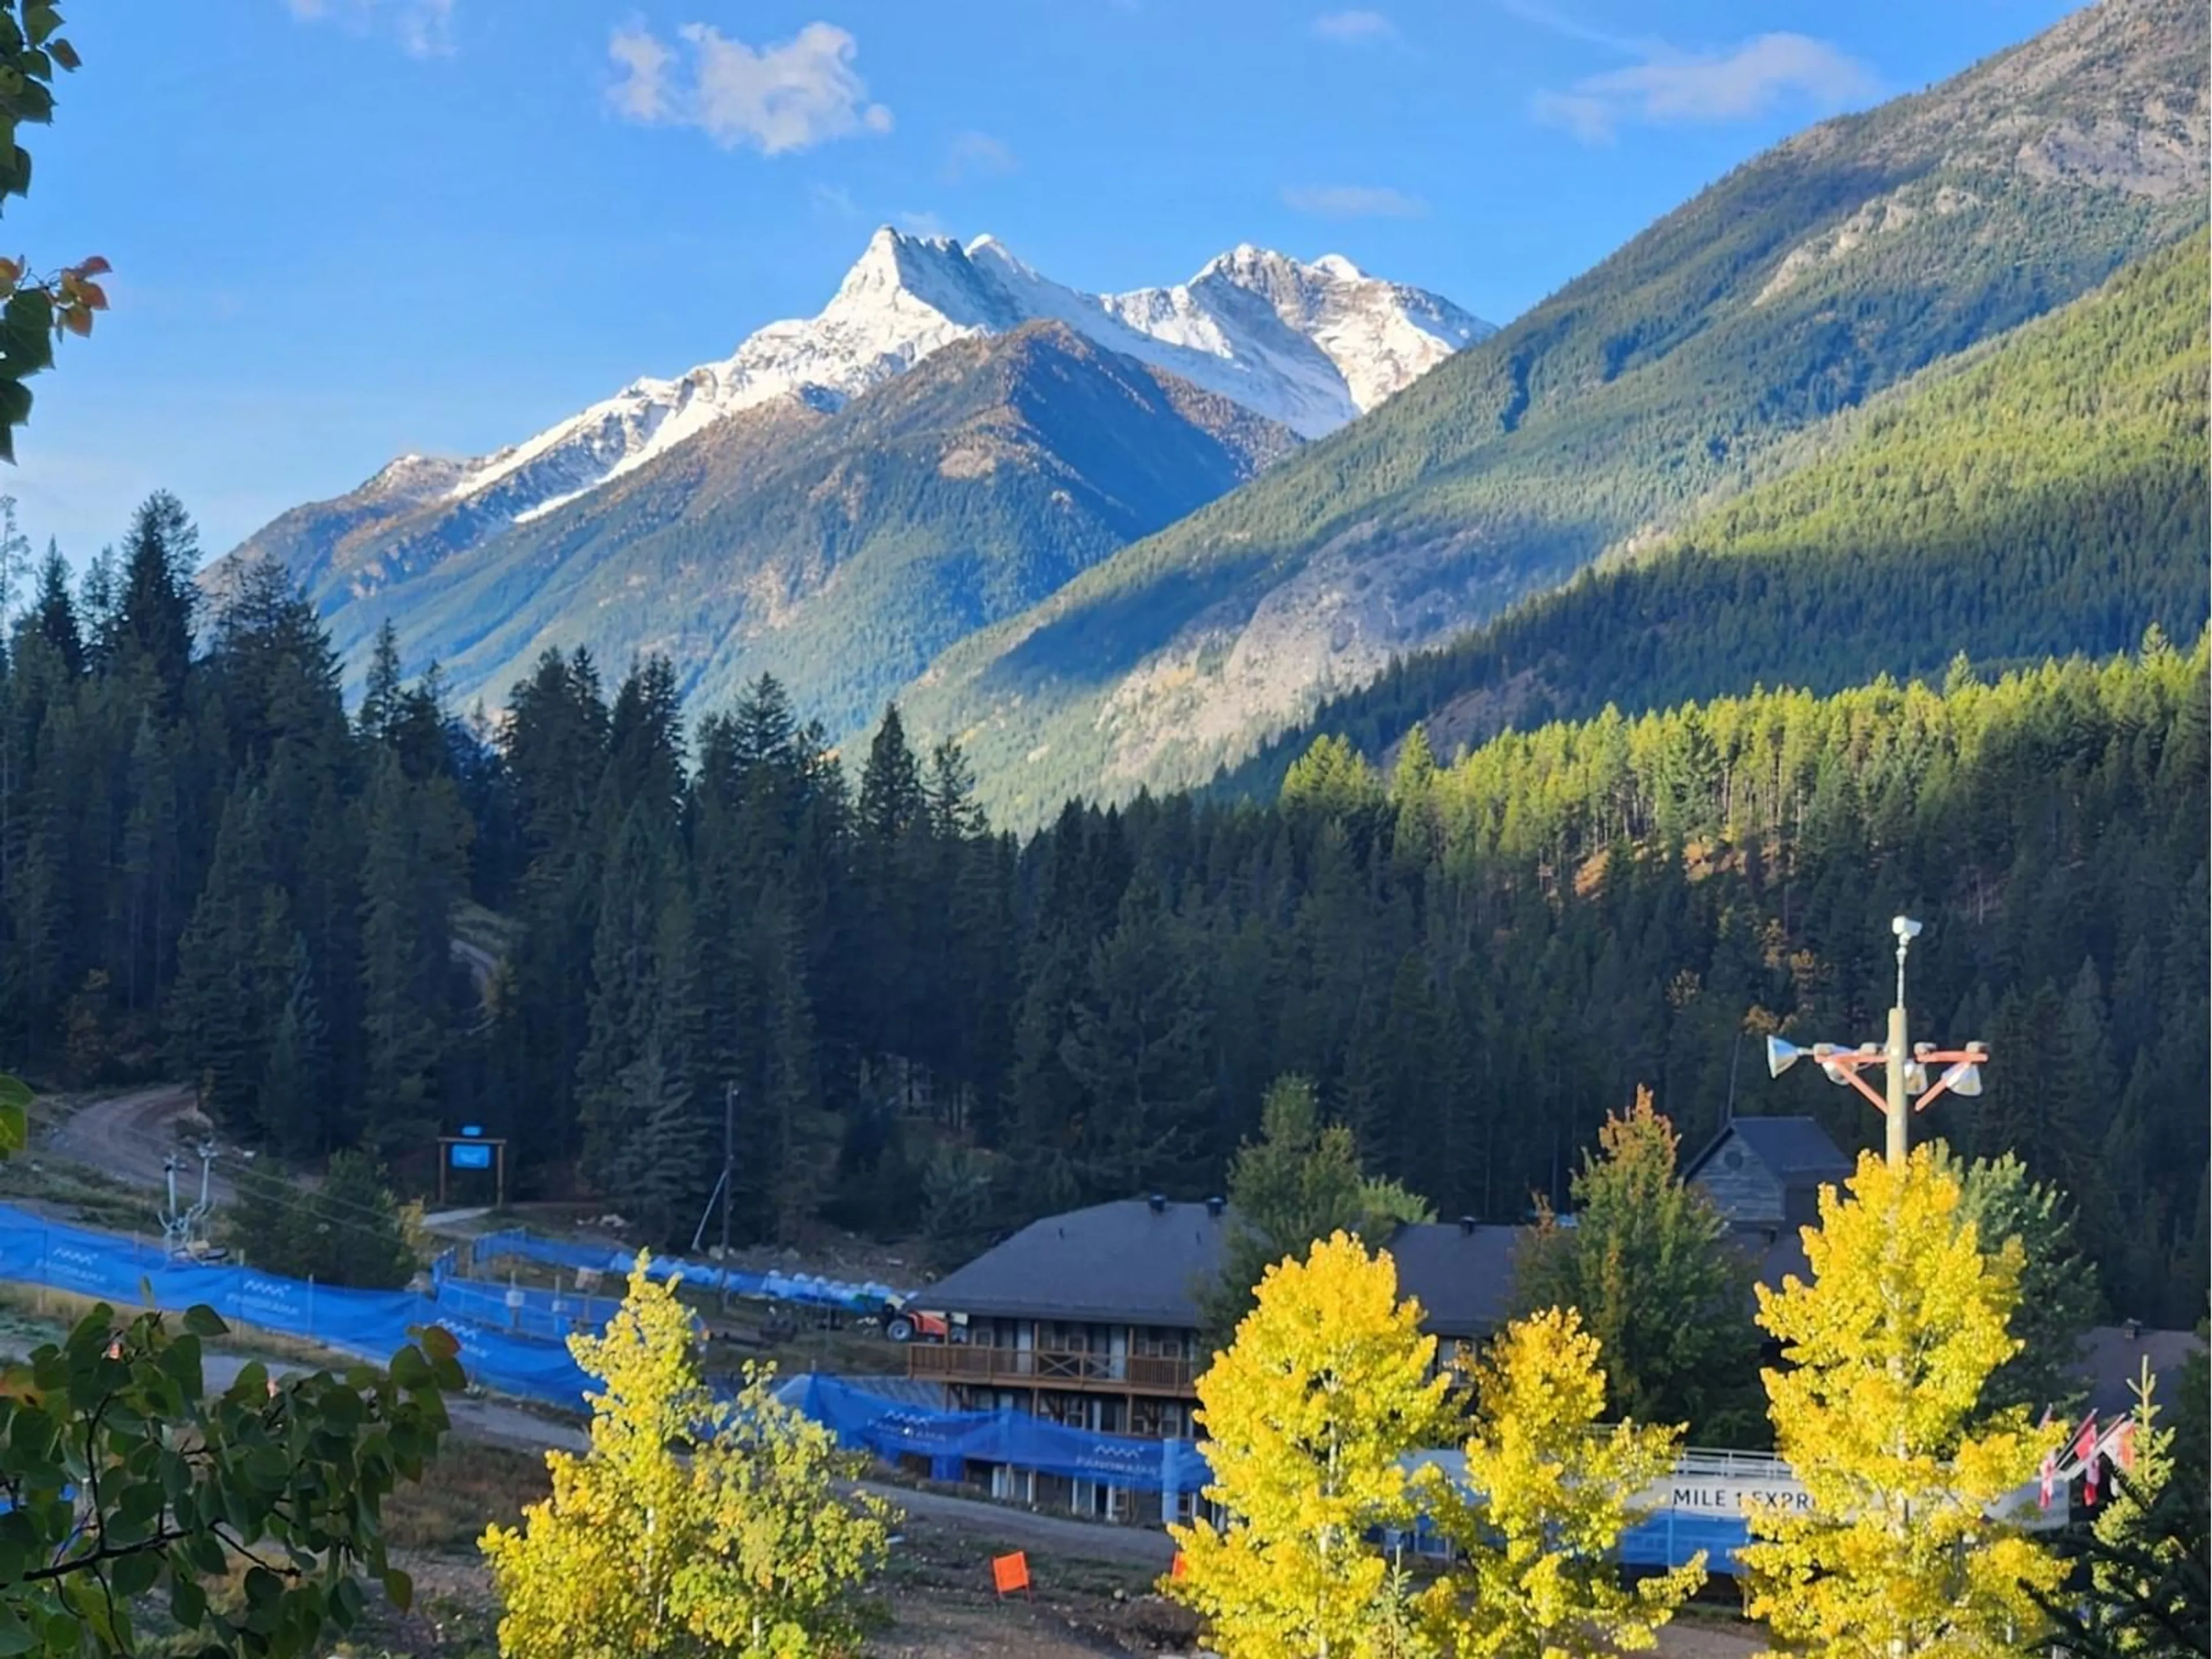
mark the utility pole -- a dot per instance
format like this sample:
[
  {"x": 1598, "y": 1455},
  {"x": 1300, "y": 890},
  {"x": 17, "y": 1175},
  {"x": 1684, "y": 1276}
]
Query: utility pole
[
  {"x": 1898, "y": 1138},
  {"x": 1906, "y": 1066},
  {"x": 729, "y": 1171}
]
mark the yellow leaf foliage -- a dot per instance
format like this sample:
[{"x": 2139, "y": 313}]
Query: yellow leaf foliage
[
  {"x": 1548, "y": 1496},
  {"x": 1888, "y": 1350},
  {"x": 693, "y": 1525},
  {"x": 1307, "y": 1416}
]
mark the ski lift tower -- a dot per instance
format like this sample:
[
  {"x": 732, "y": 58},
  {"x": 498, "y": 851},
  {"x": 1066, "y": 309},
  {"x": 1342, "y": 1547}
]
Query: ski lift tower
[{"x": 176, "y": 1222}]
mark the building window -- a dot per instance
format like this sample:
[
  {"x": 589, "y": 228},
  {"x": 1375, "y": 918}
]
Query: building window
[{"x": 1162, "y": 1342}]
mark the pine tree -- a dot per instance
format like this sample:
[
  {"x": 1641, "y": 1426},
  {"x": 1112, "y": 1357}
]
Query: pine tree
[
  {"x": 377, "y": 718},
  {"x": 54, "y": 616},
  {"x": 666, "y": 1151},
  {"x": 2057, "y": 1299},
  {"x": 214, "y": 1011},
  {"x": 156, "y": 596},
  {"x": 408, "y": 881},
  {"x": 625, "y": 974},
  {"x": 1136, "y": 1051},
  {"x": 1299, "y": 1183},
  {"x": 1647, "y": 1264},
  {"x": 803, "y": 1136},
  {"x": 294, "y": 1104}
]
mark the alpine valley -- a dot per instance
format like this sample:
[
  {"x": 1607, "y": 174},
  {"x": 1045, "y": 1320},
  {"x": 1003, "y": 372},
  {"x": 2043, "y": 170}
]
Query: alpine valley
[
  {"x": 951, "y": 441},
  {"x": 1112, "y": 542},
  {"x": 1671, "y": 374}
]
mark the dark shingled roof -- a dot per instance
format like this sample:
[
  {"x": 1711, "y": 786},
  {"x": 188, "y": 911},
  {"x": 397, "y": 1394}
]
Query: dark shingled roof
[
  {"x": 1463, "y": 1280},
  {"x": 1122, "y": 1263},
  {"x": 1797, "y": 1150},
  {"x": 1116, "y": 1263},
  {"x": 2111, "y": 1358}
]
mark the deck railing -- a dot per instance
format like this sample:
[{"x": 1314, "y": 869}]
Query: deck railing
[{"x": 962, "y": 1363}]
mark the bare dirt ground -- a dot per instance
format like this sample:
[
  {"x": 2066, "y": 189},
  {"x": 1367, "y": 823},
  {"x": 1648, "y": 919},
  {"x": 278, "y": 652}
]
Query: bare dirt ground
[
  {"x": 130, "y": 1136},
  {"x": 1093, "y": 1586}
]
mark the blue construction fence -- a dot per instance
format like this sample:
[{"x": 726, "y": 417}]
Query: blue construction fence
[
  {"x": 893, "y": 1431},
  {"x": 807, "y": 1289},
  {"x": 129, "y": 1272}
]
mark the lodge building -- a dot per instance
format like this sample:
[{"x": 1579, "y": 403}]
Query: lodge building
[{"x": 1089, "y": 1319}]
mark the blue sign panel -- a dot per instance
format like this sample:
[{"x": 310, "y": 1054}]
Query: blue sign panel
[{"x": 471, "y": 1157}]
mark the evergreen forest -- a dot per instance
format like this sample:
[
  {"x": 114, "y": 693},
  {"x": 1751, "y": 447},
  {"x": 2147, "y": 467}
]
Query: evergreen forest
[{"x": 210, "y": 870}]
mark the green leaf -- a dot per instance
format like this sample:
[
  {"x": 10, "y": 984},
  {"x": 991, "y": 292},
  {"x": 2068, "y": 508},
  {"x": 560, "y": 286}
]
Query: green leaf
[
  {"x": 398, "y": 1588},
  {"x": 203, "y": 1320},
  {"x": 134, "y": 1574},
  {"x": 409, "y": 1370},
  {"x": 188, "y": 1602},
  {"x": 268, "y": 1469},
  {"x": 16, "y": 1636}
]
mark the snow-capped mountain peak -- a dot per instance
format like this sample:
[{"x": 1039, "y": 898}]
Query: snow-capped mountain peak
[{"x": 1309, "y": 345}]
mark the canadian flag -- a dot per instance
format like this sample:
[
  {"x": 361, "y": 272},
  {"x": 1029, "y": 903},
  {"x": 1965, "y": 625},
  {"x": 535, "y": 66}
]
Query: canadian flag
[{"x": 2084, "y": 1439}]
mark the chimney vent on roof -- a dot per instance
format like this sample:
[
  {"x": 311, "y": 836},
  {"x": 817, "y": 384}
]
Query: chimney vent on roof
[
  {"x": 1214, "y": 1207},
  {"x": 2133, "y": 1327},
  {"x": 1159, "y": 1203},
  {"x": 1467, "y": 1226}
]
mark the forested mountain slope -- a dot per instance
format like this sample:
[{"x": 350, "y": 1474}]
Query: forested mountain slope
[
  {"x": 210, "y": 873},
  {"x": 840, "y": 551},
  {"x": 2044, "y": 495},
  {"x": 1832, "y": 266}
]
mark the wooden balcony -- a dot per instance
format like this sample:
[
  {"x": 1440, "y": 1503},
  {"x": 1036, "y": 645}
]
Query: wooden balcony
[{"x": 1046, "y": 1369}]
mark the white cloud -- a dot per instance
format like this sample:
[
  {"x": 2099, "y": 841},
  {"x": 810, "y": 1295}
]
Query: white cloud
[
  {"x": 776, "y": 99},
  {"x": 1354, "y": 28},
  {"x": 424, "y": 28},
  {"x": 834, "y": 200},
  {"x": 1354, "y": 202},
  {"x": 1531, "y": 11},
  {"x": 922, "y": 224},
  {"x": 975, "y": 155},
  {"x": 1733, "y": 86}
]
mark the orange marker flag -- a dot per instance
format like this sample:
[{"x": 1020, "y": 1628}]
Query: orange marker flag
[{"x": 1010, "y": 1573}]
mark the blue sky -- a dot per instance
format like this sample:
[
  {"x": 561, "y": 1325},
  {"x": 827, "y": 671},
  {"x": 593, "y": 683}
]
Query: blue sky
[{"x": 343, "y": 229}]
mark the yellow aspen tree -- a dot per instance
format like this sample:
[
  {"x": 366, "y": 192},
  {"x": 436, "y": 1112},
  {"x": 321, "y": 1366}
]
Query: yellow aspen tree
[
  {"x": 692, "y": 1527},
  {"x": 1309, "y": 1415},
  {"x": 1886, "y": 1351},
  {"x": 1548, "y": 1496}
]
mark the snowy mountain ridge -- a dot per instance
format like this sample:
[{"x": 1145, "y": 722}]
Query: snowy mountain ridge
[{"x": 1309, "y": 345}]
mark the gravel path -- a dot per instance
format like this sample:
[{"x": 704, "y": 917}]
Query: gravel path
[{"x": 131, "y": 1137}]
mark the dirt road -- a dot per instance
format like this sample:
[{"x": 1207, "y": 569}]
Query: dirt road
[
  {"x": 506, "y": 1424},
  {"x": 131, "y": 1136}
]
